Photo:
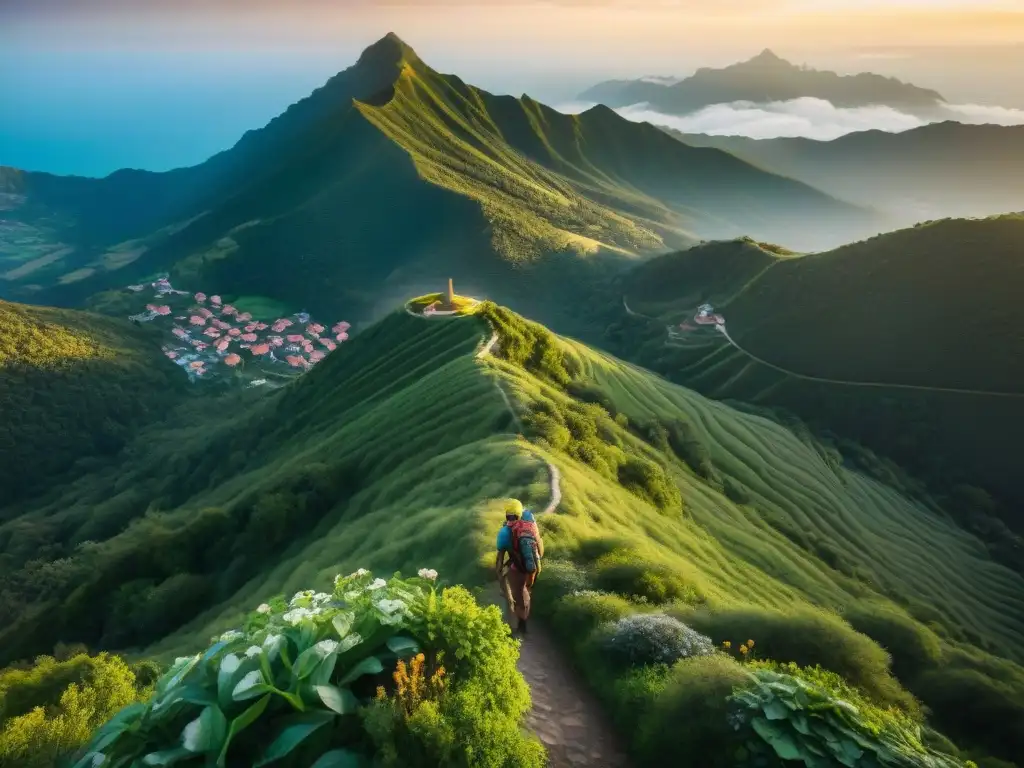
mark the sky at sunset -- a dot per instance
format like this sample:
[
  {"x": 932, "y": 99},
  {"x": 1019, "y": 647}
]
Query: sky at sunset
[{"x": 169, "y": 81}]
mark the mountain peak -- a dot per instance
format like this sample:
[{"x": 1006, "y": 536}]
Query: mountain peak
[
  {"x": 769, "y": 57},
  {"x": 390, "y": 51}
]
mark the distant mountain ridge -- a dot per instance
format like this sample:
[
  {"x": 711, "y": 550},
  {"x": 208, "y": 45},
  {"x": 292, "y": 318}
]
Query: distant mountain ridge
[
  {"x": 480, "y": 185},
  {"x": 932, "y": 308},
  {"x": 939, "y": 170},
  {"x": 764, "y": 78}
]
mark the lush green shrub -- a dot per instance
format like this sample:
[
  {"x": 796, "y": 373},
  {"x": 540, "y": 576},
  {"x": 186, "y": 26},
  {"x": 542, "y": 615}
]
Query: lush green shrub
[
  {"x": 653, "y": 638},
  {"x": 648, "y": 481},
  {"x": 527, "y": 344},
  {"x": 578, "y": 614},
  {"x": 560, "y": 578},
  {"x": 544, "y": 427},
  {"x": 807, "y": 637},
  {"x": 974, "y": 708},
  {"x": 913, "y": 647},
  {"x": 688, "y": 446},
  {"x": 47, "y": 712},
  {"x": 813, "y": 716},
  {"x": 591, "y": 549},
  {"x": 626, "y": 572},
  {"x": 311, "y": 680},
  {"x": 687, "y": 721},
  {"x": 589, "y": 392}
]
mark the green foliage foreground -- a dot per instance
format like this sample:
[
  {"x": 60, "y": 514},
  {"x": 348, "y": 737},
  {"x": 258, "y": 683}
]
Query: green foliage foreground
[
  {"x": 49, "y": 710},
  {"x": 384, "y": 672}
]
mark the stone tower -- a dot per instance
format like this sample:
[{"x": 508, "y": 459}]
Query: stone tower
[{"x": 451, "y": 295}]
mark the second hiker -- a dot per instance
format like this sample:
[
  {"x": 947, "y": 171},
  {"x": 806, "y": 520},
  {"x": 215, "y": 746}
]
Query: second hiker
[{"x": 519, "y": 539}]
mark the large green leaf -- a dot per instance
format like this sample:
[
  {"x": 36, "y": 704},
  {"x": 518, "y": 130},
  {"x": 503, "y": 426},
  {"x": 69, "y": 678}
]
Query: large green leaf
[
  {"x": 775, "y": 710},
  {"x": 403, "y": 645},
  {"x": 848, "y": 753},
  {"x": 167, "y": 757},
  {"x": 297, "y": 729},
  {"x": 799, "y": 721},
  {"x": 169, "y": 705},
  {"x": 240, "y": 723},
  {"x": 343, "y": 623},
  {"x": 341, "y": 700},
  {"x": 369, "y": 666},
  {"x": 207, "y": 732},
  {"x": 310, "y": 659},
  {"x": 777, "y": 737},
  {"x": 123, "y": 719},
  {"x": 338, "y": 758},
  {"x": 232, "y": 670}
]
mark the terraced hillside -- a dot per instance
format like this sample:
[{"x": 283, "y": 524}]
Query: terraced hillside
[
  {"x": 395, "y": 452},
  {"x": 73, "y": 387},
  {"x": 819, "y": 335},
  {"x": 391, "y": 177}
]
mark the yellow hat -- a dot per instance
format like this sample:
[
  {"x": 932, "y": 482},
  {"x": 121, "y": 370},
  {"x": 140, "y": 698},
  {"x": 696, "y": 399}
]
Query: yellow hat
[{"x": 514, "y": 507}]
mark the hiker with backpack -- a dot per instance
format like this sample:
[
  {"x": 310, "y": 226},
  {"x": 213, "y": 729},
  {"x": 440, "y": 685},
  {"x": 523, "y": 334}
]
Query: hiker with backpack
[{"x": 519, "y": 539}]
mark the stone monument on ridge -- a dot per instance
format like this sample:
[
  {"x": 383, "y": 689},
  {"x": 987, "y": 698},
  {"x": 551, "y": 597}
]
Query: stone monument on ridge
[{"x": 451, "y": 295}]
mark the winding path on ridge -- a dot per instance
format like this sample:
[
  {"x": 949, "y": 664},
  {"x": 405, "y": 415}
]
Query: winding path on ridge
[
  {"x": 565, "y": 715},
  {"x": 841, "y": 382}
]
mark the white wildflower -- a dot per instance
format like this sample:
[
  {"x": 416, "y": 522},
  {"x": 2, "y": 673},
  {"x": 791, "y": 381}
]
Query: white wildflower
[
  {"x": 351, "y": 640},
  {"x": 353, "y": 595},
  {"x": 376, "y": 584},
  {"x": 248, "y": 682},
  {"x": 253, "y": 650},
  {"x": 320, "y": 598},
  {"x": 326, "y": 647},
  {"x": 264, "y": 608},
  {"x": 296, "y": 615},
  {"x": 360, "y": 572},
  {"x": 229, "y": 664},
  {"x": 230, "y": 636},
  {"x": 301, "y": 597},
  {"x": 389, "y": 606},
  {"x": 428, "y": 573},
  {"x": 190, "y": 736},
  {"x": 181, "y": 661}
]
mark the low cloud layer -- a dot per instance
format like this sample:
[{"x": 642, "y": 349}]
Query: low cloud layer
[{"x": 807, "y": 117}]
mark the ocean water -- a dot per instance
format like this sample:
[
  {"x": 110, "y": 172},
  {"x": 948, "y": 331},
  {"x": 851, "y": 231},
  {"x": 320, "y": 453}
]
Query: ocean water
[{"x": 90, "y": 113}]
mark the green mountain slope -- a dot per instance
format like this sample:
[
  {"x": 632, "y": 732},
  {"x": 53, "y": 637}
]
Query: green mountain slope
[
  {"x": 393, "y": 176},
  {"x": 73, "y": 387},
  {"x": 931, "y": 309},
  {"x": 766, "y": 77},
  {"x": 936, "y": 171},
  {"x": 395, "y": 453}
]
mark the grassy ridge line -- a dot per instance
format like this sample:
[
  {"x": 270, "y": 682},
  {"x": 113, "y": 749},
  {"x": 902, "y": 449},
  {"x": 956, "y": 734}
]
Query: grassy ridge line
[
  {"x": 456, "y": 143},
  {"x": 897, "y": 546}
]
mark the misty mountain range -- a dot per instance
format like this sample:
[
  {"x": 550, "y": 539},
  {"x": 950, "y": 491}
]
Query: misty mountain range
[{"x": 764, "y": 78}]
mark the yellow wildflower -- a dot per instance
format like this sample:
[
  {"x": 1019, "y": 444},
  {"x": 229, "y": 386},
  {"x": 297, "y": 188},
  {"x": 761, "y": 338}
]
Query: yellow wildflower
[
  {"x": 750, "y": 643},
  {"x": 727, "y": 645},
  {"x": 744, "y": 649}
]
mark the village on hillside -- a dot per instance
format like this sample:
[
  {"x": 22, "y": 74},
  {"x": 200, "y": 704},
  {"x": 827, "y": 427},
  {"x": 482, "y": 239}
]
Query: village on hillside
[
  {"x": 694, "y": 328},
  {"x": 207, "y": 336}
]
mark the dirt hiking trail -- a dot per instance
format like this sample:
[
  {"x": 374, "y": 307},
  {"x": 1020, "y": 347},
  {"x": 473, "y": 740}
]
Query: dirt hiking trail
[{"x": 565, "y": 715}]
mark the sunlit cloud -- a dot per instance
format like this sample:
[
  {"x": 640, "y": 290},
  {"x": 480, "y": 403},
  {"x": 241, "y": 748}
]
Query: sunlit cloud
[{"x": 807, "y": 117}]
